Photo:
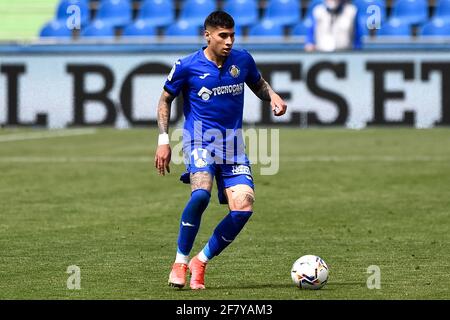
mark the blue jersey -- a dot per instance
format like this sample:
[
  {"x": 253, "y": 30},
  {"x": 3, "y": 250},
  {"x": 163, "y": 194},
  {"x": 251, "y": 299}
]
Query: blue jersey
[{"x": 213, "y": 99}]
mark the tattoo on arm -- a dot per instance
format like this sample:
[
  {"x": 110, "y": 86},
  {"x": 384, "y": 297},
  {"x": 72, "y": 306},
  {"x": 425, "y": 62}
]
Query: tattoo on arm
[
  {"x": 262, "y": 90},
  {"x": 164, "y": 105}
]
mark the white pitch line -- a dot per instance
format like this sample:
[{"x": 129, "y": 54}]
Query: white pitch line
[
  {"x": 108, "y": 159},
  {"x": 45, "y": 134},
  {"x": 143, "y": 159},
  {"x": 366, "y": 158}
]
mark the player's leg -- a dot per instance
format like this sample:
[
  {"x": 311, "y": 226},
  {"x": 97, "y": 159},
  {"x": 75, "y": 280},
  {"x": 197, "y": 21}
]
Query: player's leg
[
  {"x": 239, "y": 194},
  {"x": 201, "y": 185},
  {"x": 240, "y": 202}
]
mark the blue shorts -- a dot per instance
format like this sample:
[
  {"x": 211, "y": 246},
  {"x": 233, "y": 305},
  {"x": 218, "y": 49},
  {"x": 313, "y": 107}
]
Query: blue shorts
[{"x": 227, "y": 175}]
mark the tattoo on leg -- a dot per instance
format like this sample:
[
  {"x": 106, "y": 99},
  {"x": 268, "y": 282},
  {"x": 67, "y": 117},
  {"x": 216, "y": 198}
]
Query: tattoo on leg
[
  {"x": 243, "y": 201},
  {"x": 201, "y": 180},
  {"x": 240, "y": 198}
]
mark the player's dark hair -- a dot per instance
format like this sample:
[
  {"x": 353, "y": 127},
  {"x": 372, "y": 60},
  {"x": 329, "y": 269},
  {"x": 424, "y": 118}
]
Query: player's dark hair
[{"x": 218, "y": 19}]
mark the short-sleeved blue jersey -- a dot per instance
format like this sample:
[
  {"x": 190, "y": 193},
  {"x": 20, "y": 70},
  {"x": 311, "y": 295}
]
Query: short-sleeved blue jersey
[{"x": 213, "y": 97}]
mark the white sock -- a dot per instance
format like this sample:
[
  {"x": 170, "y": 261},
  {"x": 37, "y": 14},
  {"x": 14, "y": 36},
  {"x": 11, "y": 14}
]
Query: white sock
[
  {"x": 202, "y": 257},
  {"x": 181, "y": 258}
]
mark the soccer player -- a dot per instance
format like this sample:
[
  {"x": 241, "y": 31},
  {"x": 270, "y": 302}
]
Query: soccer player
[{"x": 212, "y": 82}]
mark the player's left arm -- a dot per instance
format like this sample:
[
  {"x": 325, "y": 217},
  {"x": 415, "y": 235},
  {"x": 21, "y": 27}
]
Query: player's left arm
[{"x": 265, "y": 92}]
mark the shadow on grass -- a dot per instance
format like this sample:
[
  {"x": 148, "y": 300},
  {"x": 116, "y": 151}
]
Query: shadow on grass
[
  {"x": 256, "y": 286},
  {"x": 337, "y": 285},
  {"x": 253, "y": 286}
]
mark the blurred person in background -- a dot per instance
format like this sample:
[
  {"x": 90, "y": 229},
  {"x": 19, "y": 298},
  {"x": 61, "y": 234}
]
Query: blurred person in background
[{"x": 334, "y": 26}]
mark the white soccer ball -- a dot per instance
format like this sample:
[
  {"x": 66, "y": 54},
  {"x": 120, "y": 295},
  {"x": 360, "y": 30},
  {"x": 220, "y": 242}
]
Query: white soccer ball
[{"x": 309, "y": 272}]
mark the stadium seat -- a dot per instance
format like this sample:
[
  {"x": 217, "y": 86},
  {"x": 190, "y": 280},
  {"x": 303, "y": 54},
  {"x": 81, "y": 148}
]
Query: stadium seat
[
  {"x": 195, "y": 11},
  {"x": 244, "y": 12},
  {"x": 301, "y": 28},
  {"x": 62, "y": 13},
  {"x": 395, "y": 27},
  {"x": 182, "y": 29},
  {"x": 238, "y": 31},
  {"x": 99, "y": 29},
  {"x": 435, "y": 27},
  {"x": 58, "y": 27},
  {"x": 442, "y": 9},
  {"x": 266, "y": 28},
  {"x": 115, "y": 12},
  {"x": 283, "y": 12},
  {"x": 157, "y": 13},
  {"x": 364, "y": 28},
  {"x": 55, "y": 29},
  {"x": 139, "y": 29},
  {"x": 411, "y": 11}
]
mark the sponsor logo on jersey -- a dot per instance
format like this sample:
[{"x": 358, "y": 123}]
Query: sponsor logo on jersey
[
  {"x": 205, "y": 93},
  {"x": 241, "y": 169},
  {"x": 204, "y": 76},
  {"x": 234, "y": 71},
  {"x": 234, "y": 89}
]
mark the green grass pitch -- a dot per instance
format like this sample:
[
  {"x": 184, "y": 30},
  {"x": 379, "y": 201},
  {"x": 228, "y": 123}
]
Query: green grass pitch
[{"x": 355, "y": 198}]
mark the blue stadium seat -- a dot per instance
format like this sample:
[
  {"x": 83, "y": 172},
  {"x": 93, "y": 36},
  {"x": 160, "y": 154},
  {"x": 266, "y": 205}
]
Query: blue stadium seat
[
  {"x": 158, "y": 13},
  {"x": 195, "y": 11},
  {"x": 364, "y": 29},
  {"x": 442, "y": 9},
  {"x": 301, "y": 28},
  {"x": 283, "y": 12},
  {"x": 435, "y": 27},
  {"x": 238, "y": 31},
  {"x": 55, "y": 29},
  {"x": 139, "y": 28},
  {"x": 99, "y": 29},
  {"x": 411, "y": 11},
  {"x": 244, "y": 12},
  {"x": 64, "y": 5},
  {"x": 115, "y": 12},
  {"x": 363, "y": 5},
  {"x": 395, "y": 27},
  {"x": 182, "y": 28},
  {"x": 64, "y": 13},
  {"x": 266, "y": 28}
]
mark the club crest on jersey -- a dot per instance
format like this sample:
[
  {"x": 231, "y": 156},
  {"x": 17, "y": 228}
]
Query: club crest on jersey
[
  {"x": 205, "y": 93},
  {"x": 234, "y": 71}
]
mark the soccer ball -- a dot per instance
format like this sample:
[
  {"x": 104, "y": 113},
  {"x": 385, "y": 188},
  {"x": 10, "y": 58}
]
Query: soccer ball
[{"x": 309, "y": 272}]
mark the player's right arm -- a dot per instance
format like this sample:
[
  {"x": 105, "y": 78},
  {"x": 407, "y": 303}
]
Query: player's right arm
[
  {"x": 175, "y": 81},
  {"x": 163, "y": 151}
]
